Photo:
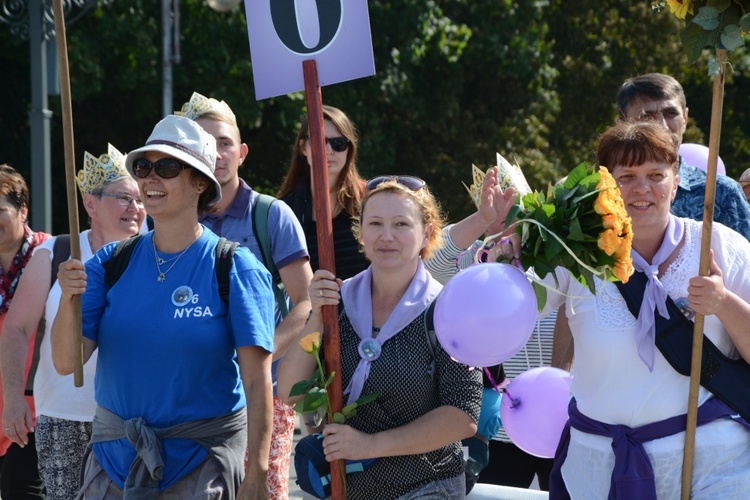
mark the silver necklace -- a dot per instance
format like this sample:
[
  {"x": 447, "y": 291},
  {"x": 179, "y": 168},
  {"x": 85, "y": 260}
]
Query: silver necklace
[{"x": 162, "y": 277}]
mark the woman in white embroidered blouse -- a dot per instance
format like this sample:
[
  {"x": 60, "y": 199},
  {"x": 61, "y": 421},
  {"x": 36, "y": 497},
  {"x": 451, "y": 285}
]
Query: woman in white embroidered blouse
[{"x": 619, "y": 377}]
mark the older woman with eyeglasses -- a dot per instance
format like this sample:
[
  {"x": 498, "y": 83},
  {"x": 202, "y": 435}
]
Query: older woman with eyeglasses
[
  {"x": 414, "y": 426},
  {"x": 63, "y": 412},
  {"x": 179, "y": 359}
]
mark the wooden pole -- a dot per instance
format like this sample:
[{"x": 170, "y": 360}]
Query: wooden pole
[
  {"x": 70, "y": 177},
  {"x": 708, "y": 214},
  {"x": 325, "y": 250}
]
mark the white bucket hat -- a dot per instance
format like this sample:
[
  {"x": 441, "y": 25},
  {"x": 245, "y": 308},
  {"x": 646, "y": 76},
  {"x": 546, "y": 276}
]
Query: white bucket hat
[
  {"x": 184, "y": 140},
  {"x": 745, "y": 177}
]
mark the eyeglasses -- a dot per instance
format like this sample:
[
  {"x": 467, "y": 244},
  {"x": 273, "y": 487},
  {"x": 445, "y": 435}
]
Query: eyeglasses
[
  {"x": 408, "y": 181},
  {"x": 166, "y": 168},
  {"x": 124, "y": 200},
  {"x": 338, "y": 144}
]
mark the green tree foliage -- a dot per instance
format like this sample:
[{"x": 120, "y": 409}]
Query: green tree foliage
[{"x": 457, "y": 81}]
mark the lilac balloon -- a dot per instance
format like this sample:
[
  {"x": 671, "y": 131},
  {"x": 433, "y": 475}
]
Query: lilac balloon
[
  {"x": 697, "y": 156},
  {"x": 534, "y": 410},
  {"x": 485, "y": 314}
]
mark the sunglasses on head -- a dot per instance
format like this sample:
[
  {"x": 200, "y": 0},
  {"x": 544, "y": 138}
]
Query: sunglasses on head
[
  {"x": 166, "y": 168},
  {"x": 408, "y": 181},
  {"x": 338, "y": 144}
]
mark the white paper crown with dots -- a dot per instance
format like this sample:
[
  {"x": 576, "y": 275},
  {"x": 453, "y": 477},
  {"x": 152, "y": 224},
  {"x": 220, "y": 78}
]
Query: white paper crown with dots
[
  {"x": 199, "y": 105},
  {"x": 97, "y": 172}
]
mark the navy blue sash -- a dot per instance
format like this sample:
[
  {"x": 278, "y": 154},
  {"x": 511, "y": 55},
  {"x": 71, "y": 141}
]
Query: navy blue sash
[{"x": 727, "y": 379}]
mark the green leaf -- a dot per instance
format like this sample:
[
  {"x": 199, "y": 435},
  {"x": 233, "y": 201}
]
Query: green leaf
[
  {"x": 303, "y": 386},
  {"x": 694, "y": 38},
  {"x": 575, "y": 176},
  {"x": 707, "y": 18},
  {"x": 367, "y": 399},
  {"x": 348, "y": 409},
  {"x": 576, "y": 233},
  {"x": 731, "y": 37},
  {"x": 541, "y": 295},
  {"x": 745, "y": 22},
  {"x": 338, "y": 418},
  {"x": 719, "y": 5},
  {"x": 314, "y": 399},
  {"x": 513, "y": 213}
]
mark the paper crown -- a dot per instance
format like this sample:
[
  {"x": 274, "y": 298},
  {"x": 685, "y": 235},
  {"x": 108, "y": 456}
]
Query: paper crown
[
  {"x": 199, "y": 105},
  {"x": 508, "y": 176},
  {"x": 511, "y": 176},
  {"x": 97, "y": 172}
]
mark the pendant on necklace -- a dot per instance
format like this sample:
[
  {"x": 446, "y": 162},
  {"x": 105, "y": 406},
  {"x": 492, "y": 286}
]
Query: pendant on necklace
[
  {"x": 160, "y": 261},
  {"x": 161, "y": 278}
]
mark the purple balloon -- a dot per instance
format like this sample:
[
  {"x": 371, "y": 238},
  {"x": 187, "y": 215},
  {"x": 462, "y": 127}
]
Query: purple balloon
[
  {"x": 534, "y": 410},
  {"x": 485, "y": 314},
  {"x": 697, "y": 156}
]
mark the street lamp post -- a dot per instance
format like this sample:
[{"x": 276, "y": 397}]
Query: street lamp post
[
  {"x": 170, "y": 42},
  {"x": 33, "y": 19}
]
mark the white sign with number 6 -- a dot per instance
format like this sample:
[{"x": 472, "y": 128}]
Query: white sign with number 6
[{"x": 283, "y": 33}]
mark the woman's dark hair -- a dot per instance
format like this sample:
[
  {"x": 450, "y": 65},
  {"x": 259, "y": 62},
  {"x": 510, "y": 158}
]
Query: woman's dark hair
[
  {"x": 635, "y": 143},
  {"x": 205, "y": 198},
  {"x": 349, "y": 186},
  {"x": 13, "y": 187}
]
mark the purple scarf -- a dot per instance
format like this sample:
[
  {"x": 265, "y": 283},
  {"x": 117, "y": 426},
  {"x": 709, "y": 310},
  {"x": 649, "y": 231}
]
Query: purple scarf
[
  {"x": 357, "y": 296},
  {"x": 655, "y": 295}
]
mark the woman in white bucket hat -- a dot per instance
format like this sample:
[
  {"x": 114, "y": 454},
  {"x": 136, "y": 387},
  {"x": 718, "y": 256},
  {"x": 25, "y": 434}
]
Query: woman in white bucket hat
[{"x": 176, "y": 368}]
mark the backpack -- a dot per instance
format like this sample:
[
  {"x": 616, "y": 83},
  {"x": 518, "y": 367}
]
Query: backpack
[
  {"x": 118, "y": 262},
  {"x": 261, "y": 209},
  {"x": 314, "y": 471},
  {"x": 60, "y": 253}
]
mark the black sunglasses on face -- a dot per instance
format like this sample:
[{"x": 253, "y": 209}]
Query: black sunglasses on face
[
  {"x": 166, "y": 168},
  {"x": 338, "y": 144},
  {"x": 408, "y": 181}
]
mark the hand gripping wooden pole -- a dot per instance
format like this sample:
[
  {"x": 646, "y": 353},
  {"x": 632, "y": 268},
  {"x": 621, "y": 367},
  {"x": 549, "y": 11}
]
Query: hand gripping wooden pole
[
  {"x": 325, "y": 250},
  {"x": 70, "y": 178},
  {"x": 705, "y": 261}
]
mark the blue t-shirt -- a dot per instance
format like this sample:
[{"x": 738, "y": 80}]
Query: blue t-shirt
[
  {"x": 284, "y": 231},
  {"x": 730, "y": 206},
  {"x": 167, "y": 349}
]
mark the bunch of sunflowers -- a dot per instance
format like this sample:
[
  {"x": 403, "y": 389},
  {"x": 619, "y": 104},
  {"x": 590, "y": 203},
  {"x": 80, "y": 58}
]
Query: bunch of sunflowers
[{"x": 580, "y": 224}]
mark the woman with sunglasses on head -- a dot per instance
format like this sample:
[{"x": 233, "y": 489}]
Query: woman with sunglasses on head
[
  {"x": 414, "y": 426},
  {"x": 345, "y": 190},
  {"x": 19, "y": 476},
  {"x": 178, "y": 361},
  {"x": 63, "y": 412}
]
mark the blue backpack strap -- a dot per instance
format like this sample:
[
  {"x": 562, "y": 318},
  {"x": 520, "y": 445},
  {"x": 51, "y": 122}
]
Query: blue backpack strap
[
  {"x": 224, "y": 258},
  {"x": 261, "y": 209},
  {"x": 118, "y": 262}
]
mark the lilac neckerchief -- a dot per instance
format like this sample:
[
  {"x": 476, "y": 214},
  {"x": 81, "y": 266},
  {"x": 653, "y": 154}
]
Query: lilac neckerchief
[
  {"x": 357, "y": 296},
  {"x": 655, "y": 295}
]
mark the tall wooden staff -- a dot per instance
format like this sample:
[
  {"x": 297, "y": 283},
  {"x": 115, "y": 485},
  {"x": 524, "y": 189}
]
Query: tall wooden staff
[
  {"x": 714, "y": 138},
  {"x": 325, "y": 249},
  {"x": 70, "y": 178}
]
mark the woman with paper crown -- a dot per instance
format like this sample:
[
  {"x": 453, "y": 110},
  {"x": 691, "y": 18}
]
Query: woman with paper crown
[
  {"x": 627, "y": 417},
  {"x": 414, "y": 426},
  {"x": 240, "y": 216},
  {"x": 176, "y": 369},
  {"x": 63, "y": 412},
  {"x": 345, "y": 190},
  {"x": 19, "y": 477}
]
